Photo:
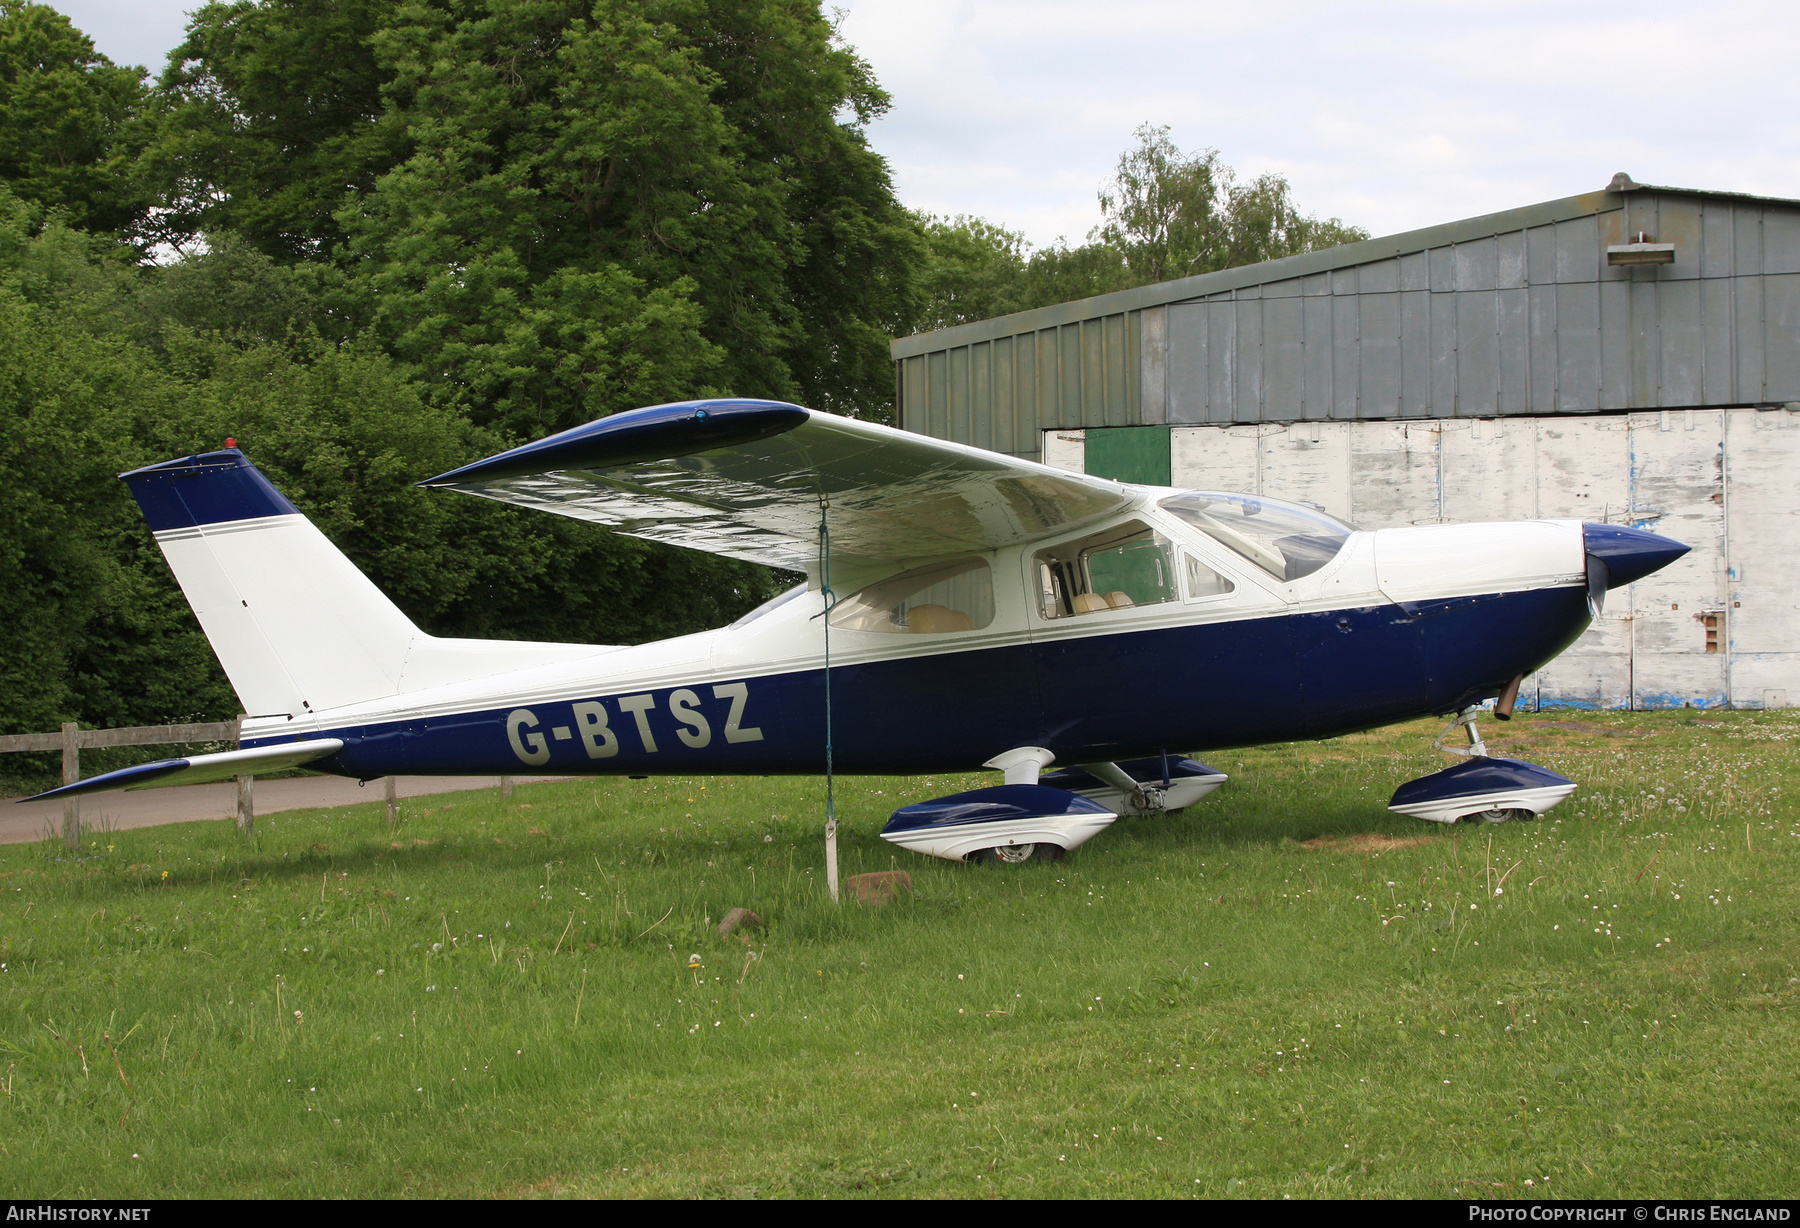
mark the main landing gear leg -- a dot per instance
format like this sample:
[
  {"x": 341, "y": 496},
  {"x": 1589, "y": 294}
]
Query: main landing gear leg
[
  {"x": 1144, "y": 798},
  {"x": 1022, "y": 765},
  {"x": 1482, "y": 788}
]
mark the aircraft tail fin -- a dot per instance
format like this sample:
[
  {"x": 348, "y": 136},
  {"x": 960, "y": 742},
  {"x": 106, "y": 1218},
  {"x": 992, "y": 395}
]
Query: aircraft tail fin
[{"x": 297, "y": 627}]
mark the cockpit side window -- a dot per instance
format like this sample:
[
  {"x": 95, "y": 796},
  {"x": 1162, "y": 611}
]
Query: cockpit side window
[
  {"x": 954, "y": 595},
  {"x": 1284, "y": 539},
  {"x": 1119, "y": 568},
  {"x": 1203, "y": 581}
]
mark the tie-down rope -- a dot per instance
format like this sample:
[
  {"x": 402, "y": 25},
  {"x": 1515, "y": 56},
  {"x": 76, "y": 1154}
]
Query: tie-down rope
[{"x": 831, "y": 861}]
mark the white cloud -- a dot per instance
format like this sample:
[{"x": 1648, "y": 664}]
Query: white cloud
[
  {"x": 1391, "y": 115},
  {"x": 140, "y": 32}
]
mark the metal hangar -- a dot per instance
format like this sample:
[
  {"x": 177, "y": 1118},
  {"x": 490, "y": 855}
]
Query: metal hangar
[{"x": 1630, "y": 356}]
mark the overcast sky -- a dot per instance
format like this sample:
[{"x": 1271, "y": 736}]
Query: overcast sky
[{"x": 1390, "y": 115}]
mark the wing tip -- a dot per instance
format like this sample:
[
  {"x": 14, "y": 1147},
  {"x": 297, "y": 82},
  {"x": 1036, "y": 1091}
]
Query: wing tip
[{"x": 656, "y": 432}]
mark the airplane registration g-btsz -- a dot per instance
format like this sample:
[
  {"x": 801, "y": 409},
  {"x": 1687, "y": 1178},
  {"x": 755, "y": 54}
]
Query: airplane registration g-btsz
[{"x": 962, "y": 609}]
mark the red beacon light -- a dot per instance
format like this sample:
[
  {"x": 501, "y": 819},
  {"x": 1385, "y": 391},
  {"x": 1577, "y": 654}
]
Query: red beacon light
[{"x": 230, "y": 442}]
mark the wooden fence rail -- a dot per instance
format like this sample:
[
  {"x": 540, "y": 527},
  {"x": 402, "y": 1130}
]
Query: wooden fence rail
[
  {"x": 72, "y": 740},
  {"x": 141, "y": 735}
]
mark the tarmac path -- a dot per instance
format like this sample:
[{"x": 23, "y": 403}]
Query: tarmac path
[{"x": 22, "y": 822}]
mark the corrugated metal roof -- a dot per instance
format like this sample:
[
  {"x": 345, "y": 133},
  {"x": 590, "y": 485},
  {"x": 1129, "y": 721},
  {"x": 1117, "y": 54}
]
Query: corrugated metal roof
[
  {"x": 1516, "y": 312},
  {"x": 1347, "y": 256}
]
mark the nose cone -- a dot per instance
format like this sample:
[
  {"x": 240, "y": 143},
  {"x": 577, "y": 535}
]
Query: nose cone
[{"x": 1629, "y": 554}]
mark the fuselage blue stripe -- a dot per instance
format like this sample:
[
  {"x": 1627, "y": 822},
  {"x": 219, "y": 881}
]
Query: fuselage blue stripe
[{"x": 1192, "y": 688}]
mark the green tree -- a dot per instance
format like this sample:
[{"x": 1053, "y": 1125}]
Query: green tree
[
  {"x": 268, "y": 119},
  {"x": 98, "y": 631},
  {"x": 973, "y": 270},
  {"x": 64, "y": 113},
  {"x": 75, "y": 557},
  {"x": 1165, "y": 214},
  {"x": 555, "y": 209},
  {"x": 1173, "y": 214}
]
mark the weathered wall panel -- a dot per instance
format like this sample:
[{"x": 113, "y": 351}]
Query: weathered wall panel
[
  {"x": 1346, "y": 349},
  {"x": 1780, "y": 241},
  {"x": 1222, "y": 358},
  {"x": 1679, "y": 329},
  {"x": 1762, "y": 614},
  {"x": 1004, "y": 424},
  {"x": 1188, "y": 379},
  {"x": 1153, "y": 380},
  {"x": 1577, "y": 347},
  {"x": 981, "y": 393},
  {"x": 1394, "y": 474},
  {"x": 1248, "y": 384},
  {"x": 1781, "y": 343},
  {"x": 1477, "y": 354},
  {"x": 937, "y": 411},
  {"x": 1378, "y": 358},
  {"x": 1284, "y": 356},
  {"x": 1489, "y": 470},
  {"x": 1690, "y": 474},
  {"x": 1068, "y": 378},
  {"x": 1316, "y": 357},
  {"x": 1310, "y": 459},
  {"x": 1678, "y": 489},
  {"x": 1214, "y": 457}
]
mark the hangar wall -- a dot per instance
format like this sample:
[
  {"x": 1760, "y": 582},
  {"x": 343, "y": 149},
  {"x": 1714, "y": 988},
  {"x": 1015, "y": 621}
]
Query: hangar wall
[
  {"x": 1629, "y": 355},
  {"x": 1720, "y": 627}
]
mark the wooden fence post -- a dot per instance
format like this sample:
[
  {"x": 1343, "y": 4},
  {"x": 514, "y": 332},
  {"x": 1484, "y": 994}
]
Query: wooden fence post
[
  {"x": 393, "y": 803},
  {"x": 506, "y": 787},
  {"x": 246, "y": 804},
  {"x": 71, "y": 749}
]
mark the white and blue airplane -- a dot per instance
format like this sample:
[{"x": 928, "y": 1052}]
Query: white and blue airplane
[{"x": 962, "y": 609}]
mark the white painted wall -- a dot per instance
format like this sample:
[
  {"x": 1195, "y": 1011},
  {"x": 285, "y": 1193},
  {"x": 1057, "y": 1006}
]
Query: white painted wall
[{"x": 1724, "y": 481}]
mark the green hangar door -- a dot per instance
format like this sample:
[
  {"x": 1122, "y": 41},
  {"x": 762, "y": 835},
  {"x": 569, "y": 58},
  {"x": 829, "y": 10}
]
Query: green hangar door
[{"x": 1129, "y": 454}]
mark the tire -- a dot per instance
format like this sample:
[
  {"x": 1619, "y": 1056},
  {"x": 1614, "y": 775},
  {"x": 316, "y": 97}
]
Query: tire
[
  {"x": 1018, "y": 854},
  {"x": 1499, "y": 815}
]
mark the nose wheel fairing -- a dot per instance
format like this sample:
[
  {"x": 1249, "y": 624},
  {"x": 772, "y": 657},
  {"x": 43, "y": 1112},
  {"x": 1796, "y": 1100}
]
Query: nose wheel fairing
[{"x": 1481, "y": 788}]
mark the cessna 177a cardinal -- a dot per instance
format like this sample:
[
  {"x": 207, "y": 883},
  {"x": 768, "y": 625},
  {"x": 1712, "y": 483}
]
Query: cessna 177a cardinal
[{"x": 977, "y": 609}]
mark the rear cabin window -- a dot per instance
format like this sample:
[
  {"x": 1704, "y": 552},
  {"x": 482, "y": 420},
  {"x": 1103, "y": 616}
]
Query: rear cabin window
[
  {"x": 955, "y": 595},
  {"x": 1119, "y": 568},
  {"x": 1284, "y": 539},
  {"x": 1203, "y": 581}
]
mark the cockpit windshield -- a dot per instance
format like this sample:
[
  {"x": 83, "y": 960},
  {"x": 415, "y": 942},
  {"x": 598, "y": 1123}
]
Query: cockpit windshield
[{"x": 1285, "y": 539}]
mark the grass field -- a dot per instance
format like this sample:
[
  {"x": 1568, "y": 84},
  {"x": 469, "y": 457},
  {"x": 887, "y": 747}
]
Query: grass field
[{"x": 1285, "y": 991}]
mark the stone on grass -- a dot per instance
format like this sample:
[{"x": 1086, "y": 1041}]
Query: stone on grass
[
  {"x": 736, "y": 919},
  {"x": 880, "y": 887}
]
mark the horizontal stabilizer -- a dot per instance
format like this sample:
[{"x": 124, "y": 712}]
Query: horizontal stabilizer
[{"x": 201, "y": 769}]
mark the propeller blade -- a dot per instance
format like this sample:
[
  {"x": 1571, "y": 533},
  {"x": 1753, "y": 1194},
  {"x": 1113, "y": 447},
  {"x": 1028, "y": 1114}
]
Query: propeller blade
[{"x": 1598, "y": 577}]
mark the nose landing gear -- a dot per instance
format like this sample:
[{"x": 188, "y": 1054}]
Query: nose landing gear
[
  {"x": 1482, "y": 788},
  {"x": 1465, "y": 720}
]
